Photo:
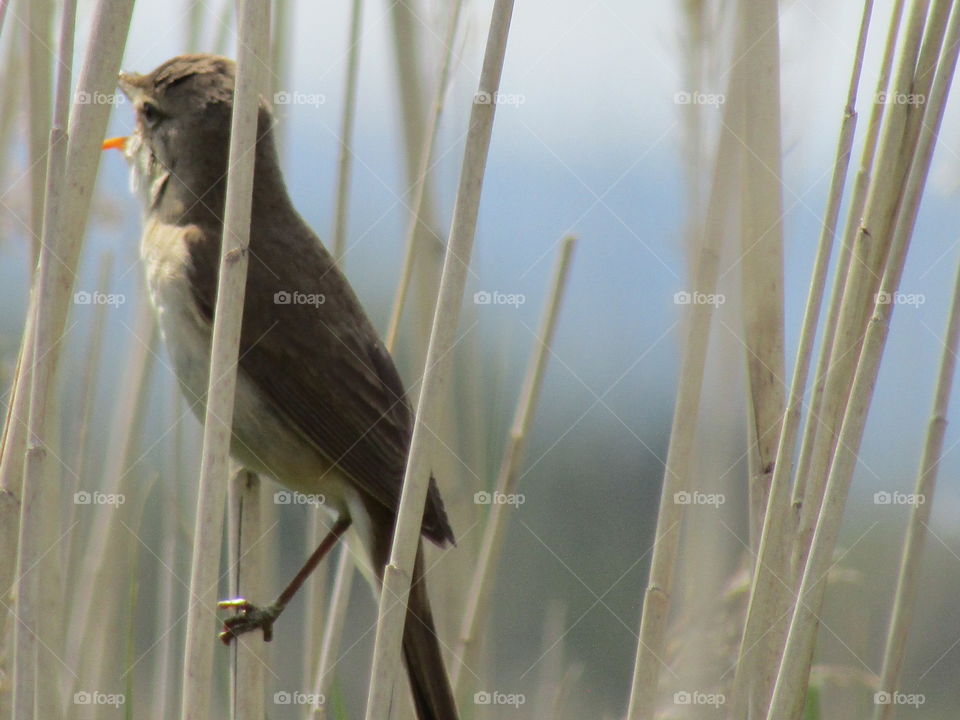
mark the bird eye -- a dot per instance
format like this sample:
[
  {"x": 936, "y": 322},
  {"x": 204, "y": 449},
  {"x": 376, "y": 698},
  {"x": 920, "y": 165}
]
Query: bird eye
[{"x": 150, "y": 114}]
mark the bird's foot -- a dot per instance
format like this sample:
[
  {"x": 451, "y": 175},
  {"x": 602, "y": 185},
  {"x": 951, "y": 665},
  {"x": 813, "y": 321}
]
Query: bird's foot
[{"x": 249, "y": 617}]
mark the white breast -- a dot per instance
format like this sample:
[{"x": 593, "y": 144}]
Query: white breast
[
  {"x": 166, "y": 260},
  {"x": 262, "y": 441}
]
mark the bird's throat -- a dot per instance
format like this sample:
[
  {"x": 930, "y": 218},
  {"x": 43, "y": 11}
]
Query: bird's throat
[{"x": 147, "y": 176}]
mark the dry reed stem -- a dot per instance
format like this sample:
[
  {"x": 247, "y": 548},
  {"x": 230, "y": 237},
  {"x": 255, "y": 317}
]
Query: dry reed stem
[
  {"x": 761, "y": 244},
  {"x": 397, "y": 574},
  {"x": 481, "y": 584},
  {"x": 347, "y": 123},
  {"x": 252, "y": 48},
  {"x": 333, "y": 631},
  {"x": 908, "y": 582},
  {"x": 12, "y": 455},
  {"x": 11, "y": 80},
  {"x": 4, "y": 6},
  {"x": 315, "y": 598},
  {"x": 656, "y": 604},
  {"x": 90, "y": 371},
  {"x": 247, "y": 563},
  {"x": 344, "y": 572},
  {"x": 165, "y": 679},
  {"x": 95, "y": 618},
  {"x": 13, "y": 437},
  {"x": 407, "y": 47},
  {"x": 316, "y": 528},
  {"x": 552, "y": 651},
  {"x": 37, "y": 582},
  {"x": 280, "y": 45},
  {"x": 792, "y": 679},
  {"x": 101, "y": 557},
  {"x": 224, "y": 28},
  {"x": 869, "y": 253},
  {"x": 420, "y": 184},
  {"x": 12, "y": 451},
  {"x": 854, "y": 215},
  {"x": 37, "y": 31},
  {"x": 769, "y": 597},
  {"x": 13, "y": 440}
]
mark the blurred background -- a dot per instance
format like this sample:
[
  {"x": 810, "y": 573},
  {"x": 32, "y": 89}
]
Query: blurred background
[{"x": 592, "y": 140}]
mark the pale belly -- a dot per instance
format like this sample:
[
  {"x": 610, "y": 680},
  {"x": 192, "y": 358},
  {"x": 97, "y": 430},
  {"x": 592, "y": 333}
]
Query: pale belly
[{"x": 262, "y": 442}]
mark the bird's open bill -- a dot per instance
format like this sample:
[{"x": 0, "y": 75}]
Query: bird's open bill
[{"x": 117, "y": 143}]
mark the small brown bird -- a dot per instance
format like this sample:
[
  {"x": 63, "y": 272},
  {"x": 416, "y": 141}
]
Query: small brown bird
[{"x": 319, "y": 405}]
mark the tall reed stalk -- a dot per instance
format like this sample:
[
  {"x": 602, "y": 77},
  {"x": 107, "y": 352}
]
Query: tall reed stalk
[
  {"x": 761, "y": 246},
  {"x": 417, "y": 204},
  {"x": 770, "y": 595},
  {"x": 481, "y": 584},
  {"x": 72, "y": 162},
  {"x": 36, "y": 576},
  {"x": 246, "y": 498},
  {"x": 908, "y": 582},
  {"x": 854, "y": 214},
  {"x": 347, "y": 122},
  {"x": 397, "y": 574},
  {"x": 939, "y": 54},
  {"x": 651, "y": 655},
  {"x": 253, "y": 49}
]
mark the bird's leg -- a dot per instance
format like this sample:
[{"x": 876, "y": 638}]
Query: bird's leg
[{"x": 250, "y": 617}]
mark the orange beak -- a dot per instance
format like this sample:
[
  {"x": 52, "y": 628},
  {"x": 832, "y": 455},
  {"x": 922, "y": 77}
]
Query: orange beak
[{"x": 114, "y": 143}]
